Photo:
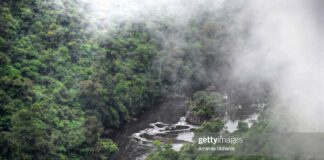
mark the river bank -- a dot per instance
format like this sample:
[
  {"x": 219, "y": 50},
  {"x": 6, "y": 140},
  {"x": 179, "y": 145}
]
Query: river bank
[
  {"x": 168, "y": 112},
  {"x": 167, "y": 123}
]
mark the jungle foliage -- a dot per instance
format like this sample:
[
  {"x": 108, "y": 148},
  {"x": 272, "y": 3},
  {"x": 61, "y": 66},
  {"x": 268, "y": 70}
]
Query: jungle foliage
[{"x": 61, "y": 88}]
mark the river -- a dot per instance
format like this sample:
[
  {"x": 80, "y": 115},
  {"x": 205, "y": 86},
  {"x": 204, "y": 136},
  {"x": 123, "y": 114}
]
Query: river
[{"x": 165, "y": 122}]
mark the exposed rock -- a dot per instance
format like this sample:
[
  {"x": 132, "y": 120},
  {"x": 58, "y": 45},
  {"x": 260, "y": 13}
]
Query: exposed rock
[{"x": 195, "y": 119}]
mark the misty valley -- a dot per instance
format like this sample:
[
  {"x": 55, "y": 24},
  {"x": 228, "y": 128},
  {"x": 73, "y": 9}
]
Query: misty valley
[{"x": 161, "y": 80}]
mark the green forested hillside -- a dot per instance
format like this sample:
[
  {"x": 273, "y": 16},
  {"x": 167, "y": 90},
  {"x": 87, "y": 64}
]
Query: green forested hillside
[
  {"x": 80, "y": 77},
  {"x": 61, "y": 87}
]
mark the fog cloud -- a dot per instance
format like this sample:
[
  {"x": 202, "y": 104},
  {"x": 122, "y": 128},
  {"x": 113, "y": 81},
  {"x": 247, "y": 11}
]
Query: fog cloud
[{"x": 283, "y": 46}]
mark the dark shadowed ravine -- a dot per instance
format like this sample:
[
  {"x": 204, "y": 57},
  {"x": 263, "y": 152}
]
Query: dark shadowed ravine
[{"x": 164, "y": 122}]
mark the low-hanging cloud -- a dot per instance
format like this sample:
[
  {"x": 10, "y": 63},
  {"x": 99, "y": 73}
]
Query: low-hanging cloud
[
  {"x": 283, "y": 46},
  {"x": 106, "y": 14},
  {"x": 285, "y": 49}
]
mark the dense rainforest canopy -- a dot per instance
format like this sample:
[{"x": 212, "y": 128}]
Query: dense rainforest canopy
[
  {"x": 73, "y": 73},
  {"x": 63, "y": 89}
]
